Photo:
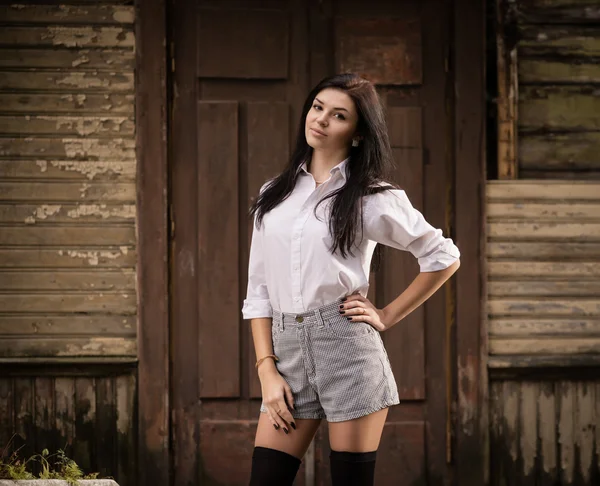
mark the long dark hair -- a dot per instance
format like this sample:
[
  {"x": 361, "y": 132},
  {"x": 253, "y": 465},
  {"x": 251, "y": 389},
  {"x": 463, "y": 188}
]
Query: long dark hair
[{"x": 368, "y": 166}]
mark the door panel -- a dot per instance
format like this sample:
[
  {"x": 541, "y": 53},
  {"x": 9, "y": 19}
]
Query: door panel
[{"x": 255, "y": 63}]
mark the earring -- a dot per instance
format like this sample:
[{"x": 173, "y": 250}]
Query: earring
[{"x": 355, "y": 142}]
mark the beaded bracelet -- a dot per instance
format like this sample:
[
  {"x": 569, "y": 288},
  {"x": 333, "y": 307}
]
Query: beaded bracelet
[{"x": 265, "y": 357}]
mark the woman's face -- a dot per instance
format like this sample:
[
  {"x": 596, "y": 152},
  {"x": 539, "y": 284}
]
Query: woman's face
[{"x": 332, "y": 120}]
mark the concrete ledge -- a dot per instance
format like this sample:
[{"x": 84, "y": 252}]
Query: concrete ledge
[{"x": 56, "y": 482}]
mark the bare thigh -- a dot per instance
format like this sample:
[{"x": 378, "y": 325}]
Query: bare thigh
[
  {"x": 359, "y": 435},
  {"x": 294, "y": 443}
]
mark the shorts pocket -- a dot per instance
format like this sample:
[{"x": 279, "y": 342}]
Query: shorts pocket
[{"x": 341, "y": 327}]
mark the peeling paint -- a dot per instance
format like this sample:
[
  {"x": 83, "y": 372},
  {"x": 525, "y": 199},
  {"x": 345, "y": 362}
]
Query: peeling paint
[
  {"x": 43, "y": 212},
  {"x": 89, "y": 168},
  {"x": 83, "y": 189},
  {"x": 86, "y": 125},
  {"x": 82, "y": 80},
  {"x": 93, "y": 256},
  {"x": 80, "y": 61},
  {"x": 125, "y": 211}
]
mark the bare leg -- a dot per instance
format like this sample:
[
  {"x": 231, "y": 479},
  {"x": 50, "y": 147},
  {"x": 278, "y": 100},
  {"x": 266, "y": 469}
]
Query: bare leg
[
  {"x": 359, "y": 435},
  {"x": 294, "y": 443}
]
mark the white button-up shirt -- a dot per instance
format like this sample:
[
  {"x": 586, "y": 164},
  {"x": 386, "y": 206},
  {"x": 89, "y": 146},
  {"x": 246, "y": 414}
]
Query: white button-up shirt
[{"x": 291, "y": 268}]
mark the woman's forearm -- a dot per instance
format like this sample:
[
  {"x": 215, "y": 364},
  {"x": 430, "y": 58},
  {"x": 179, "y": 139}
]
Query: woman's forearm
[
  {"x": 263, "y": 343},
  {"x": 420, "y": 289}
]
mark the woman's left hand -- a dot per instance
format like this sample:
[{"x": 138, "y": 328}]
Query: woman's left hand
[{"x": 360, "y": 309}]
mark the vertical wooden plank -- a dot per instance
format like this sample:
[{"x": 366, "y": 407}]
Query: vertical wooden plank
[
  {"x": 496, "y": 438},
  {"x": 508, "y": 89},
  {"x": 406, "y": 342},
  {"x": 471, "y": 427},
  {"x": 44, "y": 414},
  {"x": 125, "y": 403},
  {"x": 218, "y": 237},
  {"x": 547, "y": 434},
  {"x": 152, "y": 243},
  {"x": 6, "y": 414},
  {"x": 597, "y": 433},
  {"x": 528, "y": 431},
  {"x": 84, "y": 448},
  {"x": 437, "y": 130},
  {"x": 584, "y": 424},
  {"x": 104, "y": 433},
  {"x": 24, "y": 415},
  {"x": 510, "y": 430},
  {"x": 566, "y": 397},
  {"x": 184, "y": 245},
  {"x": 267, "y": 154},
  {"x": 64, "y": 394}
]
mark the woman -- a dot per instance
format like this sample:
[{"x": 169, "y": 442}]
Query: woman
[{"x": 316, "y": 335}]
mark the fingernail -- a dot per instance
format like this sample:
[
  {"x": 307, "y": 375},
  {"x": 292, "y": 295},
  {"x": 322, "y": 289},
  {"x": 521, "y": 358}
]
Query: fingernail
[
  {"x": 349, "y": 318},
  {"x": 341, "y": 306},
  {"x": 276, "y": 426},
  {"x": 344, "y": 299},
  {"x": 342, "y": 312},
  {"x": 285, "y": 430},
  {"x": 293, "y": 425}
]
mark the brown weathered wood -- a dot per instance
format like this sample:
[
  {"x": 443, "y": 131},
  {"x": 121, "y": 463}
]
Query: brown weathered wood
[
  {"x": 44, "y": 413},
  {"x": 114, "y": 302},
  {"x": 64, "y": 396},
  {"x": 540, "y": 211},
  {"x": 68, "y": 14},
  {"x": 584, "y": 423},
  {"x": 125, "y": 401},
  {"x": 65, "y": 324},
  {"x": 471, "y": 427},
  {"x": 100, "y": 214},
  {"x": 533, "y": 71},
  {"x": 508, "y": 91},
  {"x": 60, "y": 35},
  {"x": 545, "y": 345},
  {"x": 521, "y": 327},
  {"x": 547, "y": 433},
  {"x": 405, "y": 343},
  {"x": 556, "y": 288},
  {"x": 85, "y": 418},
  {"x": 510, "y": 431},
  {"x": 563, "y": 250},
  {"x": 540, "y": 306},
  {"x": 6, "y": 413},
  {"x": 528, "y": 428},
  {"x": 384, "y": 50},
  {"x": 560, "y": 11},
  {"x": 61, "y": 280},
  {"x": 123, "y": 256},
  {"x": 68, "y": 102},
  {"x": 153, "y": 415},
  {"x": 218, "y": 239},
  {"x": 566, "y": 401},
  {"x": 570, "y": 151},
  {"x": 545, "y": 230},
  {"x": 66, "y": 81},
  {"x": 65, "y": 191},
  {"x": 68, "y": 170},
  {"x": 184, "y": 330},
  {"x": 542, "y": 190},
  {"x": 559, "y": 108},
  {"x": 67, "y": 126},
  {"x": 104, "y": 430},
  {"x": 526, "y": 363},
  {"x": 266, "y": 154},
  {"x": 224, "y": 34},
  {"x": 59, "y": 236},
  {"x": 24, "y": 408},
  {"x": 61, "y": 346},
  {"x": 121, "y": 60},
  {"x": 542, "y": 270},
  {"x": 561, "y": 41}
]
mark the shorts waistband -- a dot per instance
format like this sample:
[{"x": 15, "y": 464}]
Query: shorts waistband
[{"x": 309, "y": 317}]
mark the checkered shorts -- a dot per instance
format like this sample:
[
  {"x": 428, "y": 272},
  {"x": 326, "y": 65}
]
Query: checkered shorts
[{"x": 337, "y": 369}]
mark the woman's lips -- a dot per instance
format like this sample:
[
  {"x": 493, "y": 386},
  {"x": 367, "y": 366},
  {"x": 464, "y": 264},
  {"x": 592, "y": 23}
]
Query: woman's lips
[{"x": 317, "y": 132}]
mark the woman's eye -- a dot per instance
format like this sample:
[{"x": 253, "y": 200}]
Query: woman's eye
[
  {"x": 316, "y": 107},
  {"x": 342, "y": 117}
]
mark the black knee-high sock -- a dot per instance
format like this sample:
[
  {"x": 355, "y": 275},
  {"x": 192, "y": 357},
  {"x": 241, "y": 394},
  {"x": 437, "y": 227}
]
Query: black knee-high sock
[
  {"x": 352, "y": 468},
  {"x": 271, "y": 467}
]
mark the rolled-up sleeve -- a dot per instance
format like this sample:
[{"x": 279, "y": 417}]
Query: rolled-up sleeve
[
  {"x": 390, "y": 219},
  {"x": 257, "y": 303}
]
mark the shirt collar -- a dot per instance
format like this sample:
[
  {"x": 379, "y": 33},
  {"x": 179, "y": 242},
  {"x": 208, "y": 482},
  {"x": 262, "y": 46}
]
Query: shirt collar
[{"x": 341, "y": 167}]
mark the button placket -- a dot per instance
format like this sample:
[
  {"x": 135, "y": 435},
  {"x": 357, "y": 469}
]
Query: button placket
[{"x": 296, "y": 264}]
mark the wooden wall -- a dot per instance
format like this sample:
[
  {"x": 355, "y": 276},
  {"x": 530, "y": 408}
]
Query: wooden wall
[
  {"x": 68, "y": 218},
  {"x": 543, "y": 247},
  {"x": 550, "y": 48}
]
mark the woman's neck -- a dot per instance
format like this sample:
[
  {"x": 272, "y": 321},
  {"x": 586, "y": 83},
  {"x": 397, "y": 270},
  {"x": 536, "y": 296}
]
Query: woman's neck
[{"x": 321, "y": 163}]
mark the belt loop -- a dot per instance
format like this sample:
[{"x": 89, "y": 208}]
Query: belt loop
[
  {"x": 278, "y": 319},
  {"x": 319, "y": 317},
  {"x": 281, "y": 318}
]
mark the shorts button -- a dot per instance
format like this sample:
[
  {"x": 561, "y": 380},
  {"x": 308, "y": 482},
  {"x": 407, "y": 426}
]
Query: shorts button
[{"x": 299, "y": 319}]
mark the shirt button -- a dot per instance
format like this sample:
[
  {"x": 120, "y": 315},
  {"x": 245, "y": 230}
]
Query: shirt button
[
  {"x": 297, "y": 299},
  {"x": 296, "y": 268}
]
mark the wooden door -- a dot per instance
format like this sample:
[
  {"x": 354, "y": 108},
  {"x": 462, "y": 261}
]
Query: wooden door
[{"x": 241, "y": 71}]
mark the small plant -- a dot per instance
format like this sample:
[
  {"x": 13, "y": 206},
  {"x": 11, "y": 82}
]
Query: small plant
[{"x": 61, "y": 467}]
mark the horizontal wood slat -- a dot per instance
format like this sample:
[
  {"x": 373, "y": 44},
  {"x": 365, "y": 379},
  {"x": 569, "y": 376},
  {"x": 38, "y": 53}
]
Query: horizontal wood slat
[
  {"x": 543, "y": 270},
  {"x": 67, "y": 181}
]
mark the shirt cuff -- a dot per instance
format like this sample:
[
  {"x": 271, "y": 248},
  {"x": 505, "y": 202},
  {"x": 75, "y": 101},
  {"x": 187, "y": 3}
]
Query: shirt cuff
[
  {"x": 254, "y": 309},
  {"x": 444, "y": 256}
]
